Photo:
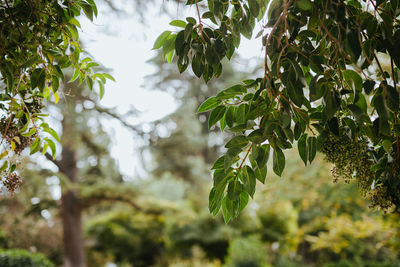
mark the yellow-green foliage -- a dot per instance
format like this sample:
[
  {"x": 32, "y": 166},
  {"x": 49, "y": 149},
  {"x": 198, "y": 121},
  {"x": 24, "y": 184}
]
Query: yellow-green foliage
[{"x": 342, "y": 233}]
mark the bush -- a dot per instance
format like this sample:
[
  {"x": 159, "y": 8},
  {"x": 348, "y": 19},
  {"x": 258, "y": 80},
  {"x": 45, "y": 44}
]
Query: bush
[
  {"x": 247, "y": 252},
  {"x": 23, "y": 258}
]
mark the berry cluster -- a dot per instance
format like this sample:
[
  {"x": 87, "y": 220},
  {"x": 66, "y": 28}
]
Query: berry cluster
[
  {"x": 12, "y": 182},
  {"x": 10, "y": 132},
  {"x": 352, "y": 160}
]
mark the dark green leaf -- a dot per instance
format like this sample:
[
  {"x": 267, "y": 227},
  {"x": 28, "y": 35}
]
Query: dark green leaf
[
  {"x": 231, "y": 92},
  {"x": 392, "y": 98},
  {"x": 257, "y": 136},
  {"x": 254, "y": 7},
  {"x": 353, "y": 79},
  {"x": 231, "y": 156},
  {"x": 219, "y": 163},
  {"x": 38, "y": 79},
  {"x": 380, "y": 106},
  {"x": 243, "y": 200},
  {"x": 227, "y": 209},
  {"x": 234, "y": 189},
  {"x": 302, "y": 147},
  {"x": 237, "y": 141},
  {"x": 312, "y": 148},
  {"x": 216, "y": 115},
  {"x": 250, "y": 182},
  {"x": 278, "y": 161},
  {"x": 241, "y": 114},
  {"x": 230, "y": 115},
  {"x": 198, "y": 65}
]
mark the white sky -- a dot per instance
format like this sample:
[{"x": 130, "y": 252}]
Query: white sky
[{"x": 126, "y": 51}]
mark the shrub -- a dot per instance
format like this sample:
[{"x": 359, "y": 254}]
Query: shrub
[
  {"x": 23, "y": 258},
  {"x": 247, "y": 252}
]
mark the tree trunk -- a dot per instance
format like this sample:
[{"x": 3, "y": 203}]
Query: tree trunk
[{"x": 74, "y": 251}]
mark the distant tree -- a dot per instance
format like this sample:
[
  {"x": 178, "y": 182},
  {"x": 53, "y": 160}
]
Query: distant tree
[{"x": 330, "y": 82}]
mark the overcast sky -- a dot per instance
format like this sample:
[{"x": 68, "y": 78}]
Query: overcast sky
[{"x": 124, "y": 45}]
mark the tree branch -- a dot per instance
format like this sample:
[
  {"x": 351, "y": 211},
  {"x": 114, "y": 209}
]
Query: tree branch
[
  {"x": 55, "y": 162},
  {"x": 114, "y": 115}
]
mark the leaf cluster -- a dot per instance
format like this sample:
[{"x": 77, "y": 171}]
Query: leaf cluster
[
  {"x": 331, "y": 68},
  {"x": 39, "y": 39}
]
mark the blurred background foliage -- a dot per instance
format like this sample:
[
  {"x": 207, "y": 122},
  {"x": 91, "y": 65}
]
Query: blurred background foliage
[{"x": 303, "y": 219}]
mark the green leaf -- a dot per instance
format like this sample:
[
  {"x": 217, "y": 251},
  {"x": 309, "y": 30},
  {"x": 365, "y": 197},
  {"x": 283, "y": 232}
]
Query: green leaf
[
  {"x": 230, "y": 115},
  {"x": 191, "y": 20},
  {"x": 278, "y": 161},
  {"x": 75, "y": 22},
  {"x": 257, "y": 136},
  {"x": 312, "y": 147},
  {"x": 250, "y": 180},
  {"x": 254, "y": 7},
  {"x": 30, "y": 133},
  {"x": 35, "y": 146},
  {"x": 219, "y": 176},
  {"x": 88, "y": 10},
  {"x": 387, "y": 145},
  {"x": 209, "y": 104},
  {"x": 243, "y": 200},
  {"x": 368, "y": 86},
  {"x": 227, "y": 209},
  {"x": 381, "y": 108},
  {"x": 108, "y": 76},
  {"x": 331, "y": 106},
  {"x": 357, "y": 112},
  {"x": 263, "y": 155},
  {"x": 4, "y": 166},
  {"x": 38, "y": 79},
  {"x": 52, "y": 147},
  {"x": 178, "y": 23},
  {"x": 232, "y": 92},
  {"x": 295, "y": 93},
  {"x": 216, "y": 115},
  {"x": 222, "y": 123},
  {"x": 219, "y": 163},
  {"x": 231, "y": 156},
  {"x": 12, "y": 168},
  {"x": 237, "y": 141},
  {"x": 302, "y": 147},
  {"x": 304, "y": 5},
  {"x": 168, "y": 47},
  {"x": 234, "y": 189},
  {"x": 75, "y": 75},
  {"x": 261, "y": 174},
  {"x": 170, "y": 56},
  {"x": 89, "y": 82},
  {"x": 101, "y": 89},
  {"x": 241, "y": 114},
  {"x": 353, "y": 79},
  {"x": 161, "y": 39},
  {"x": 215, "y": 198},
  {"x": 198, "y": 66},
  {"x": 52, "y": 133},
  {"x": 392, "y": 98}
]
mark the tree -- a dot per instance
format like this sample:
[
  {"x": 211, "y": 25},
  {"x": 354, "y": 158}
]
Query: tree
[
  {"x": 330, "y": 83},
  {"x": 38, "y": 40}
]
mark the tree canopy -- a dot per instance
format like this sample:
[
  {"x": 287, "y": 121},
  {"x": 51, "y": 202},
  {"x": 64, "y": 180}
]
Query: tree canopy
[
  {"x": 39, "y": 39},
  {"x": 329, "y": 84}
]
